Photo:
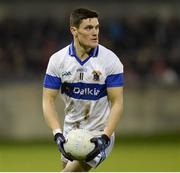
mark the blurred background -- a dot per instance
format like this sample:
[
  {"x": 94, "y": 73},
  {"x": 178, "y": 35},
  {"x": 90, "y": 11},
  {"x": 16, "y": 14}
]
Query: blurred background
[{"x": 146, "y": 37}]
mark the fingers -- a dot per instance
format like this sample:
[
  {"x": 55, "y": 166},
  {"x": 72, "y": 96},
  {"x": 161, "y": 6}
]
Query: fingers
[
  {"x": 69, "y": 156},
  {"x": 101, "y": 143},
  {"x": 93, "y": 140},
  {"x": 92, "y": 154},
  {"x": 66, "y": 155},
  {"x": 60, "y": 140}
]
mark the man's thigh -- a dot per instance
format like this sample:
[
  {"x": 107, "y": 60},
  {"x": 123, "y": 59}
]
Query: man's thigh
[
  {"x": 64, "y": 164},
  {"x": 75, "y": 166}
]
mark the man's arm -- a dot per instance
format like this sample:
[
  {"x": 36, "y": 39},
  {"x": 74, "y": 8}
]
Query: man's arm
[
  {"x": 115, "y": 96},
  {"x": 49, "y": 109},
  {"x": 51, "y": 117}
]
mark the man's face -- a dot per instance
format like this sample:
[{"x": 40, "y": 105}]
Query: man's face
[{"x": 88, "y": 33}]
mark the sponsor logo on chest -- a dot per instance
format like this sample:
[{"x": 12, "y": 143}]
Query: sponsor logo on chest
[{"x": 86, "y": 91}]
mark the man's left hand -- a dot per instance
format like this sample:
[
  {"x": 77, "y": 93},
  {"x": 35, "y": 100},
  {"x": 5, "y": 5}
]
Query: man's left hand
[{"x": 101, "y": 143}]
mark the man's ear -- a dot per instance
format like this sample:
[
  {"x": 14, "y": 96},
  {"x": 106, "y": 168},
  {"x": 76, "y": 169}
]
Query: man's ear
[{"x": 73, "y": 31}]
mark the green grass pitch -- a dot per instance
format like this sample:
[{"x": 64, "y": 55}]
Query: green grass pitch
[{"x": 128, "y": 155}]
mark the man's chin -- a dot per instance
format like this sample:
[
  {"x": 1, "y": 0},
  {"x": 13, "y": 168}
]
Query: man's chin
[{"x": 93, "y": 45}]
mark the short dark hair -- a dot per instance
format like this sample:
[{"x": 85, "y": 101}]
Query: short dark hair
[{"x": 79, "y": 14}]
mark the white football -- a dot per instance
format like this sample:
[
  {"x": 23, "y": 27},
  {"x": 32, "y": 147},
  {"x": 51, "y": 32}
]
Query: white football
[{"x": 78, "y": 143}]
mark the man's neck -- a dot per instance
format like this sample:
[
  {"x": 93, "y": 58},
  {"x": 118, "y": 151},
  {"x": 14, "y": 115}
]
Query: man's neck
[{"x": 81, "y": 51}]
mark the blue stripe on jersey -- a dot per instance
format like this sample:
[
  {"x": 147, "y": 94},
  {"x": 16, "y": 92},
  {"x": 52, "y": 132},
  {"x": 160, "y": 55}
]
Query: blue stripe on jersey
[
  {"x": 52, "y": 82},
  {"x": 115, "y": 80},
  {"x": 84, "y": 91}
]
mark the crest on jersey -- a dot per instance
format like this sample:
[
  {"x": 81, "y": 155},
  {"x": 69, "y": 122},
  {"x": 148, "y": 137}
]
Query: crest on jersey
[{"x": 96, "y": 75}]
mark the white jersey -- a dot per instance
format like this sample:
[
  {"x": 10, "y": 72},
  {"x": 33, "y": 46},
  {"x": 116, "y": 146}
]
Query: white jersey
[{"x": 83, "y": 85}]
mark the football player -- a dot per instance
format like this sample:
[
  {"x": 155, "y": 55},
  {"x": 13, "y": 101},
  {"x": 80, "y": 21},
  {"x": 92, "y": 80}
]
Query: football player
[{"x": 89, "y": 78}]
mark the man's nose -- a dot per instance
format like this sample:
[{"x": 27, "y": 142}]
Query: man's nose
[{"x": 95, "y": 31}]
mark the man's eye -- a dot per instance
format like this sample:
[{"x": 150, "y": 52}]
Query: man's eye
[
  {"x": 88, "y": 28},
  {"x": 97, "y": 27}
]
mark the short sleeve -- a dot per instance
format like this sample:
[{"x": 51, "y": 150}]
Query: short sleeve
[
  {"x": 52, "y": 80},
  {"x": 115, "y": 74}
]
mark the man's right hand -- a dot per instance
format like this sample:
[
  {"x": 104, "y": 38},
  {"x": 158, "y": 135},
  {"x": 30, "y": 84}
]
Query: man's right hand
[{"x": 60, "y": 140}]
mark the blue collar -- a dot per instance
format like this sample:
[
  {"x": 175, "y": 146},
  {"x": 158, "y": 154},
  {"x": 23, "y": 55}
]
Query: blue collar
[{"x": 93, "y": 53}]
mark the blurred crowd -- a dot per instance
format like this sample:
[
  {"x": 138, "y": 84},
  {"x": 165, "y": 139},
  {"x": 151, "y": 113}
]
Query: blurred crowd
[{"x": 149, "y": 47}]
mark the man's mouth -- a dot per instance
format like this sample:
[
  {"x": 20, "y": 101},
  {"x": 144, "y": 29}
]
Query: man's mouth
[{"x": 94, "y": 39}]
